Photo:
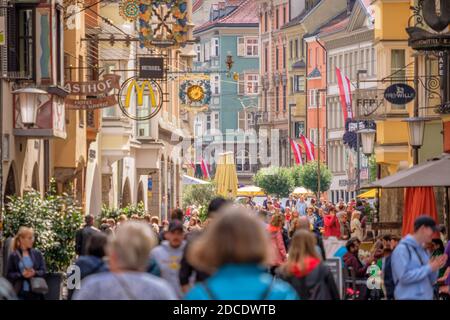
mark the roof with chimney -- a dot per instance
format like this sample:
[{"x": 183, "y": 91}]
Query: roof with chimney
[{"x": 235, "y": 13}]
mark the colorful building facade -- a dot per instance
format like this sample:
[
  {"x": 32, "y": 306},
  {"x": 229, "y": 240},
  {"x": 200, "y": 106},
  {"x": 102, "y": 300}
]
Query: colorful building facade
[{"x": 228, "y": 124}]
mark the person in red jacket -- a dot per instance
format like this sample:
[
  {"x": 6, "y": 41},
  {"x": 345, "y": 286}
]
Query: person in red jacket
[
  {"x": 278, "y": 247},
  {"x": 332, "y": 227}
]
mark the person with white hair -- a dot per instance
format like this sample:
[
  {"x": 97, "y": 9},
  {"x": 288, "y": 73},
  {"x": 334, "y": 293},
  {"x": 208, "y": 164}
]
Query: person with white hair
[{"x": 128, "y": 251}]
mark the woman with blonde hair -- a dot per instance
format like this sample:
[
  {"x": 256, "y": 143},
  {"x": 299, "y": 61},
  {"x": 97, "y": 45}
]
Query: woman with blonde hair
[
  {"x": 355, "y": 226},
  {"x": 305, "y": 271},
  {"x": 234, "y": 249},
  {"x": 24, "y": 264}
]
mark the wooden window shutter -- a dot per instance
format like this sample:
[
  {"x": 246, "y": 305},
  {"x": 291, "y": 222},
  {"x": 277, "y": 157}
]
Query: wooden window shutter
[{"x": 13, "y": 52}]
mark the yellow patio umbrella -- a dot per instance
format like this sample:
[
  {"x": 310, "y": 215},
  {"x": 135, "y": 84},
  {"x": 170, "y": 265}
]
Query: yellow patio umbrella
[
  {"x": 226, "y": 176},
  {"x": 301, "y": 191},
  {"x": 250, "y": 191}
]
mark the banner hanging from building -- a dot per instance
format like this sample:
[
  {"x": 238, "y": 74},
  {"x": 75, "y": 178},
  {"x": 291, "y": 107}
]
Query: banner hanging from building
[
  {"x": 345, "y": 94},
  {"x": 95, "y": 94}
]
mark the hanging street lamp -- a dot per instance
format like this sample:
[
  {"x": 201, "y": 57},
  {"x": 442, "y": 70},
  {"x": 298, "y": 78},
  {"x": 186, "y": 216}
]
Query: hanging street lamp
[
  {"x": 29, "y": 102},
  {"x": 367, "y": 141}
]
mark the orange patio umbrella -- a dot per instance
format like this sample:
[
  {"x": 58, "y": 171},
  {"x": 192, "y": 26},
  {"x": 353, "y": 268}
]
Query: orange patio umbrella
[{"x": 418, "y": 201}]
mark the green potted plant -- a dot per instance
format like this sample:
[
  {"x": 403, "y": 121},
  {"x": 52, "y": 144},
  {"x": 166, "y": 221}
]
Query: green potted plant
[{"x": 55, "y": 219}]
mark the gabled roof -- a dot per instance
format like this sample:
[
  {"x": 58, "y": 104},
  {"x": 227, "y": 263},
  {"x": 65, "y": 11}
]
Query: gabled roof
[
  {"x": 298, "y": 19},
  {"x": 336, "y": 24},
  {"x": 245, "y": 14},
  {"x": 299, "y": 64},
  {"x": 367, "y": 5},
  {"x": 315, "y": 73}
]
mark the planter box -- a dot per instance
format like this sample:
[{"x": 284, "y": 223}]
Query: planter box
[{"x": 55, "y": 285}]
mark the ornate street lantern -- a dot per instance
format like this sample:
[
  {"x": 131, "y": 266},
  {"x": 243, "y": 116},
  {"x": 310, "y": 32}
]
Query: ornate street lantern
[
  {"x": 29, "y": 102},
  {"x": 229, "y": 62},
  {"x": 416, "y": 130},
  {"x": 367, "y": 141}
]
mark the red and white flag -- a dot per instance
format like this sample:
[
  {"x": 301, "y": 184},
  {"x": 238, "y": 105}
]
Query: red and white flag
[
  {"x": 345, "y": 94},
  {"x": 205, "y": 170},
  {"x": 297, "y": 152},
  {"x": 309, "y": 148}
]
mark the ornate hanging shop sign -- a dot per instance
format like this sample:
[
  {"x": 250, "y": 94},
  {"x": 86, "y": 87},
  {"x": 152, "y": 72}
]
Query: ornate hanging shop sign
[
  {"x": 98, "y": 93},
  {"x": 140, "y": 99},
  {"x": 129, "y": 10},
  {"x": 195, "y": 93},
  {"x": 152, "y": 68},
  {"x": 429, "y": 15},
  {"x": 161, "y": 23},
  {"x": 399, "y": 94}
]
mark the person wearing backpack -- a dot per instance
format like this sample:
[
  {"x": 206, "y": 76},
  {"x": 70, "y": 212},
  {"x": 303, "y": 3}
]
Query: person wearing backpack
[
  {"x": 414, "y": 273},
  {"x": 386, "y": 265},
  {"x": 305, "y": 272},
  {"x": 234, "y": 250}
]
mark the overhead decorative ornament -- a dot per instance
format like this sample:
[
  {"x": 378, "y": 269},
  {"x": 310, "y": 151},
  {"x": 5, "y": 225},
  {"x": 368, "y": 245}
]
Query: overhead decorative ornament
[
  {"x": 161, "y": 23},
  {"x": 129, "y": 10},
  {"x": 195, "y": 93}
]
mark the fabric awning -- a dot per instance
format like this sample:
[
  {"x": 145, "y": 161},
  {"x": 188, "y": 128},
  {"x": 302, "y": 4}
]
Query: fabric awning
[
  {"x": 372, "y": 193},
  {"x": 188, "y": 180},
  {"x": 250, "y": 191},
  {"x": 433, "y": 173}
]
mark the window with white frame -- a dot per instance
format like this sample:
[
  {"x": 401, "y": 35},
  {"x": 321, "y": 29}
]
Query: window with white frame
[
  {"x": 208, "y": 122},
  {"x": 252, "y": 46},
  {"x": 299, "y": 83},
  {"x": 241, "y": 120},
  {"x": 241, "y": 46},
  {"x": 216, "y": 120},
  {"x": 248, "y": 46},
  {"x": 198, "y": 125},
  {"x": 243, "y": 161},
  {"x": 313, "y": 135},
  {"x": 214, "y": 47},
  {"x": 245, "y": 120},
  {"x": 207, "y": 51},
  {"x": 199, "y": 52},
  {"x": 241, "y": 84},
  {"x": 312, "y": 95},
  {"x": 251, "y": 83},
  {"x": 215, "y": 84}
]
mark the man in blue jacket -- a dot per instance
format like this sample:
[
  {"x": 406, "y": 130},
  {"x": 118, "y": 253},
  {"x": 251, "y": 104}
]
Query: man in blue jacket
[{"x": 414, "y": 273}]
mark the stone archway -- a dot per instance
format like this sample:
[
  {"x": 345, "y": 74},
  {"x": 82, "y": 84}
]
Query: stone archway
[
  {"x": 126, "y": 194},
  {"x": 11, "y": 187},
  {"x": 35, "y": 178},
  {"x": 140, "y": 193}
]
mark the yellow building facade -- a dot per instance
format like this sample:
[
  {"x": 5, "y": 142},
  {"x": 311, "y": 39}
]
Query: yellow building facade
[{"x": 396, "y": 62}]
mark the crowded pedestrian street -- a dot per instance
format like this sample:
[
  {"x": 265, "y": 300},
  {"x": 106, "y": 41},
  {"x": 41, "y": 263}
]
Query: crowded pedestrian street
[{"x": 251, "y": 150}]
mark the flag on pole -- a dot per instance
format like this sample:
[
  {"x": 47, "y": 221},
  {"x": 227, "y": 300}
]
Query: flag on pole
[
  {"x": 205, "y": 170},
  {"x": 345, "y": 94},
  {"x": 297, "y": 152},
  {"x": 309, "y": 148}
]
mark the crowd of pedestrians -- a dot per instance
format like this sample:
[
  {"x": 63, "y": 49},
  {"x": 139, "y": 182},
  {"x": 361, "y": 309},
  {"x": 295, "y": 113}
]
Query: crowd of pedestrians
[{"x": 272, "y": 251}]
